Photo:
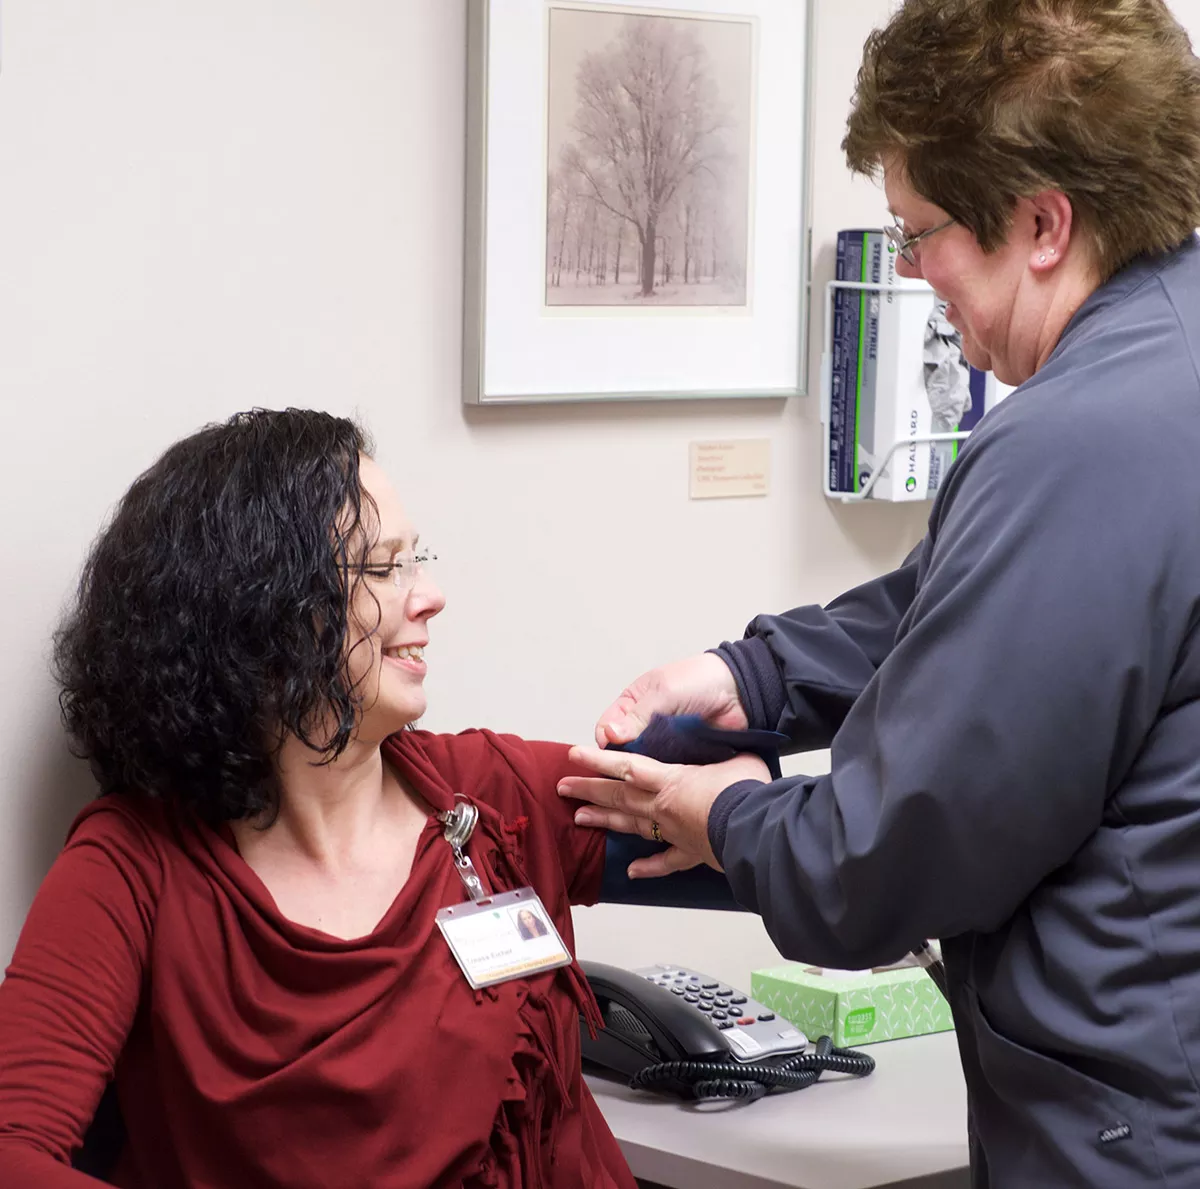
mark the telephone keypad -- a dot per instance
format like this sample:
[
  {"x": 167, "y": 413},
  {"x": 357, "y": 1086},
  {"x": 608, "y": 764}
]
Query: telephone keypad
[{"x": 753, "y": 1030}]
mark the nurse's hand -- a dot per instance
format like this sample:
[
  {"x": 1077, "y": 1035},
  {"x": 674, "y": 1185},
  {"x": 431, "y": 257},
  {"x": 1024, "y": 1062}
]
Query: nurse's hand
[
  {"x": 700, "y": 685},
  {"x": 633, "y": 791}
]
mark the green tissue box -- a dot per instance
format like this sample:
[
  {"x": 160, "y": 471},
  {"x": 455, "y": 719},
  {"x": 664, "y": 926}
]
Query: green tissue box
[{"x": 854, "y": 1007}]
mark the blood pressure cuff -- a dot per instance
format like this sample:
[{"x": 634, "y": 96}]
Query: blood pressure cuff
[
  {"x": 688, "y": 739},
  {"x": 680, "y": 739}
]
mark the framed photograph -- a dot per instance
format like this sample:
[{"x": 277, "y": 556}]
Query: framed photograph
[{"x": 637, "y": 180}]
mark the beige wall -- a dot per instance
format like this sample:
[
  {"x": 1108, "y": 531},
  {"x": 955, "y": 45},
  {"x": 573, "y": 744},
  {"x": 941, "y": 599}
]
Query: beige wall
[{"x": 210, "y": 206}]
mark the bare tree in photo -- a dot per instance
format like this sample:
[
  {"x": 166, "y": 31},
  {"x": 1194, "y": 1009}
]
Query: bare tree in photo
[
  {"x": 645, "y": 176},
  {"x": 561, "y": 200}
]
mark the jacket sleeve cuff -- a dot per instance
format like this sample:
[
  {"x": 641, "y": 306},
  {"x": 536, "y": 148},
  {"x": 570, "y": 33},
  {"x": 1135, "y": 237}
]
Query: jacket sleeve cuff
[
  {"x": 762, "y": 692},
  {"x": 722, "y": 809}
]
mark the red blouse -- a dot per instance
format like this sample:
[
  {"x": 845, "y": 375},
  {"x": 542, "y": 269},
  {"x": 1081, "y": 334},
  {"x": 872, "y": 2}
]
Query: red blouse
[{"x": 250, "y": 1051}]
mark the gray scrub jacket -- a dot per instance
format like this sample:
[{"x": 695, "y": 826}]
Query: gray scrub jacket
[{"x": 1014, "y": 717}]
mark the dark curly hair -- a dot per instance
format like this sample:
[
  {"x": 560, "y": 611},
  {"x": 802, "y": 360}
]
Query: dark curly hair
[
  {"x": 213, "y": 612},
  {"x": 988, "y": 101}
]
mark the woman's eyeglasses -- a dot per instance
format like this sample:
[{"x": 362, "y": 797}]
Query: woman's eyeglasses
[{"x": 402, "y": 569}]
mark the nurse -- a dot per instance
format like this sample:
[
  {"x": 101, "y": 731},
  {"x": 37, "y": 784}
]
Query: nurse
[{"x": 1014, "y": 713}]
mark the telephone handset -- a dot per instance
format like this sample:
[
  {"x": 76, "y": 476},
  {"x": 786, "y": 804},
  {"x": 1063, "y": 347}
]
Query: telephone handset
[{"x": 670, "y": 1028}]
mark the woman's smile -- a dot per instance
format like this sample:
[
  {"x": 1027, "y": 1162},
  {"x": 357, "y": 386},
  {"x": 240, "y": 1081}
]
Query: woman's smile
[{"x": 410, "y": 657}]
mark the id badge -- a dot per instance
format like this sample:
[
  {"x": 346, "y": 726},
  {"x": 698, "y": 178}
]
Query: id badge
[{"x": 509, "y": 935}]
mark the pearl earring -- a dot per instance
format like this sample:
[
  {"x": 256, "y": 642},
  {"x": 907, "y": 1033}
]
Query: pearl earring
[{"x": 1052, "y": 250}]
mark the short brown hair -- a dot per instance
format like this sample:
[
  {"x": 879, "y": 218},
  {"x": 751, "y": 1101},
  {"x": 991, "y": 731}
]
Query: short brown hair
[{"x": 983, "y": 102}]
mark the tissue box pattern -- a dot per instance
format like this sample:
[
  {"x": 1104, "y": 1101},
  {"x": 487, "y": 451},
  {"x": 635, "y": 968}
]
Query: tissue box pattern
[{"x": 853, "y": 1008}]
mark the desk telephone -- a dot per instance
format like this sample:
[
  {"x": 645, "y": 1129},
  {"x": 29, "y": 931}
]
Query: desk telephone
[{"x": 671, "y": 1028}]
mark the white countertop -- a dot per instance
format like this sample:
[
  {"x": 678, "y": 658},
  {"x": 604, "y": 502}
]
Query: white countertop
[{"x": 905, "y": 1122}]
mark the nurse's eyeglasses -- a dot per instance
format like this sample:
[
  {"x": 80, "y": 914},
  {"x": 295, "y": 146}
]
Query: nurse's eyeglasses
[{"x": 904, "y": 243}]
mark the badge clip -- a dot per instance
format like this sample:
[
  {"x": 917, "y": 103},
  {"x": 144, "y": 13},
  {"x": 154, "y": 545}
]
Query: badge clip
[{"x": 459, "y": 824}]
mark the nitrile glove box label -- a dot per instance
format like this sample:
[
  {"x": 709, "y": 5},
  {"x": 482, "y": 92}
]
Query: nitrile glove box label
[{"x": 897, "y": 373}]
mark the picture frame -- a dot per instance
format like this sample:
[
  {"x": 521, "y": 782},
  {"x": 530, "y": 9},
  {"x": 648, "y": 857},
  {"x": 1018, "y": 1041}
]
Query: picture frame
[{"x": 637, "y": 200}]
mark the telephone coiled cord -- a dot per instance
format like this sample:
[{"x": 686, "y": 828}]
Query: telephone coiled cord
[{"x": 712, "y": 1080}]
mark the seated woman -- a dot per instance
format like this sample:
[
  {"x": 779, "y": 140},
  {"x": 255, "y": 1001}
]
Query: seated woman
[{"x": 242, "y": 931}]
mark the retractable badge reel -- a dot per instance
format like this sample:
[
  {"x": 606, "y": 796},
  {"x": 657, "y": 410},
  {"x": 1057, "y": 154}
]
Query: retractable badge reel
[{"x": 498, "y": 937}]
